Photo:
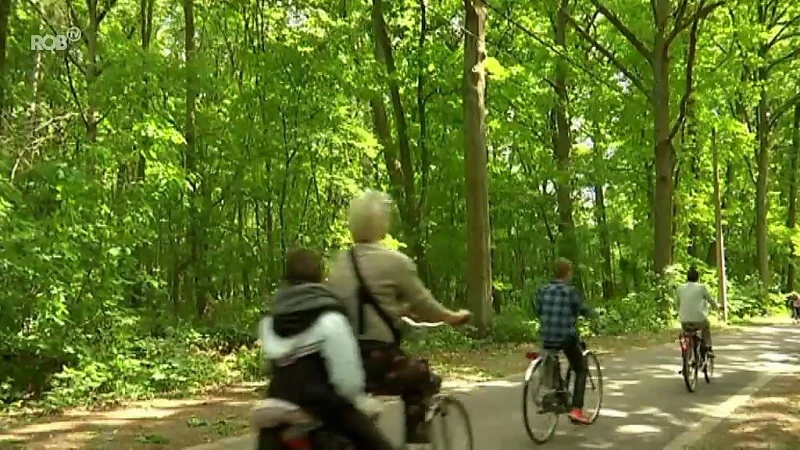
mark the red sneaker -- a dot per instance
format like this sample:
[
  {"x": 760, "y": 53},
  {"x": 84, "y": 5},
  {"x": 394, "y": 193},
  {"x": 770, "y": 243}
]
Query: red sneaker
[{"x": 577, "y": 416}]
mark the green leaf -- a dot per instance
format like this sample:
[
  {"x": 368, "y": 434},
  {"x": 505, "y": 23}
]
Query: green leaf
[{"x": 494, "y": 68}]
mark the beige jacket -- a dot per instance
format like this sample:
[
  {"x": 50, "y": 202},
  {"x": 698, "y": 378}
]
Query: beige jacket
[{"x": 392, "y": 279}]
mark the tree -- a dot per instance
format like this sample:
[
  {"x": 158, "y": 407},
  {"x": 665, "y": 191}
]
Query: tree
[
  {"x": 479, "y": 263},
  {"x": 659, "y": 93},
  {"x": 562, "y": 142}
]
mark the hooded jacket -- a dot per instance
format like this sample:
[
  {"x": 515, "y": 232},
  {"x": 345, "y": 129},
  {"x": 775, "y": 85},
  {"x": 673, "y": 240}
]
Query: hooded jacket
[{"x": 310, "y": 345}]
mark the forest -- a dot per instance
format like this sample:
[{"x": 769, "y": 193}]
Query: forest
[{"x": 154, "y": 172}]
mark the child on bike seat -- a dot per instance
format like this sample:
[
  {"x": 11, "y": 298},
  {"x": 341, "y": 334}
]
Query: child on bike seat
[
  {"x": 693, "y": 302},
  {"x": 314, "y": 357},
  {"x": 559, "y": 306}
]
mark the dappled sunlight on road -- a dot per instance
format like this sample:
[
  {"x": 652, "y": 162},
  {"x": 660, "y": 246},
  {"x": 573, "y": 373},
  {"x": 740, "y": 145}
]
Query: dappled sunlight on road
[
  {"x": 638, "y": 429},
  {"x": 645, "y": 401}
]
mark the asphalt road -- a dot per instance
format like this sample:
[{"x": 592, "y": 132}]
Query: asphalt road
[{"x": 645, "y": 404}]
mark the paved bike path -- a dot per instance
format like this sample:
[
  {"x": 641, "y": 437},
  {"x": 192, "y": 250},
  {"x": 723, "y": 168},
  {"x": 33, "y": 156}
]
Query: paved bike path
[{"x": 645, "y": 401}]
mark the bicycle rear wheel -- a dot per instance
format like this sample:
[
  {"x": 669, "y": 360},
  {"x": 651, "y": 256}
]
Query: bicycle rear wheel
[
  {"x": 690, "y": 368},
  {"x": 708, "y": 369},
  {"x": 594, "y": 387},
  {"x": 451, "y": 427},
  {"x": 532, "y": 405}
]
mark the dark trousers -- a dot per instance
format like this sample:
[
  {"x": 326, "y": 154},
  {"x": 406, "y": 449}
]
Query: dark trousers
[
  {"x": 350, "y": 423},
  {"x": 796, "y": 314},
  {"x": 390, "y": 371},
  {"x": 574, "y": 352},
  {"x": 704, "y": 327}
]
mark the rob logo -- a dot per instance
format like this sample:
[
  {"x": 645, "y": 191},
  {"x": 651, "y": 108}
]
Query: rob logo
[{"x": 52, "y": 42}]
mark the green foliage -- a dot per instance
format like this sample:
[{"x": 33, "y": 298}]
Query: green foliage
[
  {"x": 137, "y": 252},
  {"x": 180, "y": 363}
]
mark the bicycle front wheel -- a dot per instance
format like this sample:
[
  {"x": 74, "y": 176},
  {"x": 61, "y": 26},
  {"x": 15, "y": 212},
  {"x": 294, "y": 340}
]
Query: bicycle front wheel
[
  {"x": 451, "y": 428},
  {"x": 593, "y": 396},
  {"x": 532, "y": 406}
]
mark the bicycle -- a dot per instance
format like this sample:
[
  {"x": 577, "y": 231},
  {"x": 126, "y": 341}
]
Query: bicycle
[
  {"x": 694, "y": 358},
  {"x": 556, "y": 399},
  {"x": 299, "y": 431},
  {"x": 442, "y": 405}
]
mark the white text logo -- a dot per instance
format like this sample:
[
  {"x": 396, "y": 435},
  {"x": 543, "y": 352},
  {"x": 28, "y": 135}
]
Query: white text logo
[{"x": 52, "y": 42}]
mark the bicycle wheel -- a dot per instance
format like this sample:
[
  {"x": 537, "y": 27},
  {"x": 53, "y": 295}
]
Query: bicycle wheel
[
  {"x": 690, "y": 369},
  {"x": 451, "y": 428},
  {"x": 532, "y": 395},
  {"x": 594, "y": 387},
  {"x": 708, "y": 369}
]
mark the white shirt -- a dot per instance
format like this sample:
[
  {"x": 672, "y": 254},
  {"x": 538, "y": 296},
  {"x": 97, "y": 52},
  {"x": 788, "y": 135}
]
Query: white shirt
[
  {"x": 332, "y": 337},
  {"x": 693, "y": 300}
]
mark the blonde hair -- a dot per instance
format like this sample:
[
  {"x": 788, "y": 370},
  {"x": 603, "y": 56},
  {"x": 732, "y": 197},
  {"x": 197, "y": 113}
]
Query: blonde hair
[{"x": 370, "y": 216}]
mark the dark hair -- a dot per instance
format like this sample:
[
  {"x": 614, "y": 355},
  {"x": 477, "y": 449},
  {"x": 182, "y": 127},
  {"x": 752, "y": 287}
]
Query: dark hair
[
  {"x": 562, "y": 268},
  {"x": 693, "y": 275},
  {"x": 303, "y": 266}
]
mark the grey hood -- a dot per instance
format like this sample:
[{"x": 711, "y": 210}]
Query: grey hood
[{"x": 297, "y": 307}]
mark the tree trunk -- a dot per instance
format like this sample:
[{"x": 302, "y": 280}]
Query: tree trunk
[
  {"x": 601, "y": 220},
  {"x": 5, "y": 101},
  {"x": 664, "y": 152},
  {"x": 91, "y": 76},
  {"x": 197, "y": 283},
  {"x": 562, "y": 146},
  {"x": 695, "y": 248},
  {"x": 479, "y": 265},
  {"x": 146, "y": 32},
  {"x": 721, "y": 280},
  {"x": 244, "y": 250},
  {"x": 791, "y": 220},
  {"x": 409, "y": 208},
  {"x": 762, "y": 192},
  {"x": 424, "y": 154}
]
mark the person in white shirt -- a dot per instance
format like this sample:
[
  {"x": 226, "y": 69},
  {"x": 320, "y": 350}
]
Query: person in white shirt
[
  {"x": 693, "y": 303},
  {"x": 314, "y": 357}
]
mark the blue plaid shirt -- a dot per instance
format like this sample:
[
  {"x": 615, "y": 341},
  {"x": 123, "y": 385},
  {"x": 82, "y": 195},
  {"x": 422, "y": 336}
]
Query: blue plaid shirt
[{"x": 559, "y": 306}]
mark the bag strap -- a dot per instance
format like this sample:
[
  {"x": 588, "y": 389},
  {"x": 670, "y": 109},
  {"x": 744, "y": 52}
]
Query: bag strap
[{"x": 365, "y": 297}]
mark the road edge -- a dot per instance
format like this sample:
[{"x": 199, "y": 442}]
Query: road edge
[{"x": 721, "y": 412}]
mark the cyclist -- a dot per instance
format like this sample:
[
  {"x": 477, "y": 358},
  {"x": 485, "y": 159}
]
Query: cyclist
[
  {"x": 693, "y": 302},
  {"x": 559, "y": 306},
  {"x": 314, "y": 357},
  {"x": 793, "y": 303},
  {"x": 379, "y": 286}
]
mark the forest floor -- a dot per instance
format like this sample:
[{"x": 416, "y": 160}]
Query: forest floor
[{"x": 179, "y": 423}]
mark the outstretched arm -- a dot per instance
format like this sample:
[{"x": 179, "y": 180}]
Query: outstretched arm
[
  {"x": 423, "y": 305},
  {"x": 581, "y": 307},
  {"x": 707, "y": 296}
]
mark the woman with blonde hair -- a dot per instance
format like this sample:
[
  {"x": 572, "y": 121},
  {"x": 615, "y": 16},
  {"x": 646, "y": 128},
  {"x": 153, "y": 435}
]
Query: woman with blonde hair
[{"x": 378, "y": 286}]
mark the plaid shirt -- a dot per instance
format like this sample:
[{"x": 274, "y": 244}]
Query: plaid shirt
[{"x": 559, "y": 306}]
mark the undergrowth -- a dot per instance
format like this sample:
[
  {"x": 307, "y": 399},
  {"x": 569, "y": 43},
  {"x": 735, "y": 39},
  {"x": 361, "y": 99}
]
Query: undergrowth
[{"x": 184, "y": 360}]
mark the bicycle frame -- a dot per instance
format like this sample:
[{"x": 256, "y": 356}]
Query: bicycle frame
[
  {"x": 556, "y": 382},
  {"x": 692, "y": 341}
]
